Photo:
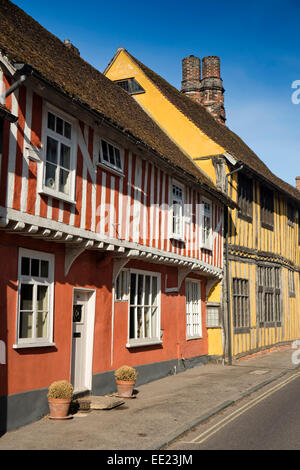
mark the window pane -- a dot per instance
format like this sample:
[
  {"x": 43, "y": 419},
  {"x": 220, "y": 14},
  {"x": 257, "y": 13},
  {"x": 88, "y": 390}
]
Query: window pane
[
  {"x": 147, "y": 322},
  {"x": 44, "y": 268},
  {"x": 59, "y": 125},
  {"x": 118, "y": 158},
  {"x": 111, "y": 154},
  {"x": 65, "y": 156},
  {"x": 26, "y": 301},
  {"x": 42, "y": 297},
  {"x": 50, "y": 175},
  {"x": 51, "y": 154},
  {"x": 67, "y": 132},
  {"x": 140, "y": 290},
  {"x": 104, "y": 151},
  {"x": 25, "y": 325},
  {"x": 147, "y": 290},
  {"x": 35, "y": 267},
  {"x": 51, "y": 121},
  {"x": 25, "y": 266},
  {"x": 139, "y": 322},
  {"x": 132, "y": 288},
  {"x": 154, "y": 313},
  {"x": 132, "y": 323},
  {"x": 41, "y": 324},
  {"x": 154, "y": 291},
  {"x": 64, "y": 181}
]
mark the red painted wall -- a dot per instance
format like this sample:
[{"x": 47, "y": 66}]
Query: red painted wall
[{"x": 34, "y": 368}]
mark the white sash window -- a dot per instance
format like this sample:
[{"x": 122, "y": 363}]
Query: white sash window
[
  {"x": 206, "y": 224},
  {"x": 144, "y": 308},
  {"x": 35, "y": 298},
  {"x": 59, "y": 150}
]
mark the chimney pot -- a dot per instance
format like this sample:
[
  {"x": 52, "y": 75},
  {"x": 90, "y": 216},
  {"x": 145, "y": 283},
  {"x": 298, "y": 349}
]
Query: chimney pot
[
  {"x": 208, "y": 91},
  {"x": 191, "y": 76},
  {"x": 71, "y": 47}
]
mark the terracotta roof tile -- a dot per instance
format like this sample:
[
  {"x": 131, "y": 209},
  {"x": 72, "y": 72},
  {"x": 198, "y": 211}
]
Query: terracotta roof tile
[
  {"x": 221, "y": 134},
  {"x": 23, "y": 40}
]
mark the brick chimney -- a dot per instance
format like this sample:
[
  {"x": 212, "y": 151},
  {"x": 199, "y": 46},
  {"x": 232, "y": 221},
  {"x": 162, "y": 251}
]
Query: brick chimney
[
  {"x": 71, "y": 47},
  {"x": 207, "y": 91},
  {"x": 191, "y": 77},
  {"x": 212, "y": 91},
  {"x": 298, "y": 182}
]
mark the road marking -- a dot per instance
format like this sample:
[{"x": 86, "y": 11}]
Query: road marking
[{"x": 228, "y": 419}]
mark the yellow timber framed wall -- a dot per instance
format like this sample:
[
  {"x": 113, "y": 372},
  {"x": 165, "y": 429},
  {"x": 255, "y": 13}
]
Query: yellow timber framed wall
[{"x": 251, "y": 246}]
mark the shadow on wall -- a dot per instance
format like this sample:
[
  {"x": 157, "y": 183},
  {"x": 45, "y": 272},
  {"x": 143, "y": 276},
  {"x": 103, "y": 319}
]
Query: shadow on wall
[{"x": 3, "y": 358}]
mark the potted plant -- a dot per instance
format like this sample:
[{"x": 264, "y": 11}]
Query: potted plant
[
  {"x": 125, "y": 379},
  {"x": 60, "y": 395}
]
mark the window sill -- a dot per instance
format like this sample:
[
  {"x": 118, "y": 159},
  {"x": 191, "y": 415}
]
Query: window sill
[
  {"x": 246, "y": 217},
  {"x": 267, "y": 226},
  {"x": 270, "y": 324},
  {"x": 208, "y": 248},
  {"x": 177, "y": 238},
  {"x": 241, "y": 330},
  {"x": 141, "y": 343},
  {"x": 33, "y": 345},
  {"x": 114, "y": 171},
  {"x": 55, "y": 195},
  {"x": 190, "y": 338}
]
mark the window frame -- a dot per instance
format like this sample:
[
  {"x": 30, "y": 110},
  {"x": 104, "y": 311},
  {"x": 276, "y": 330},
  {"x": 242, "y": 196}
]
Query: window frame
[
  {"x": 209, "y": 322},
  {"x": 122, "y": 286},
  {"x": 275, "y": 291},
  {"x": 290, "y": 214},
  {"x": 266, "y": 213},
  {"x": 36, "y": 281},
  {"x": 206, "y": 244},
  {"x": 245, "y": 203},
  {"x": 130, "y": 81},
  {"x": 291, "y": 283},
  {"x": 242, "y": 299},
  {"x": 106, "y": 164},
  {"x": 189, "y": 315},
  {"x": 136, "y": 342},
  {"x": 72, "y": 143},
  {"x": 180, "y": 235}
]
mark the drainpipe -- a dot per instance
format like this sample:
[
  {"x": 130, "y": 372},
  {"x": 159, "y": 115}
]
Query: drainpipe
[{"x": 229, "y": 346}]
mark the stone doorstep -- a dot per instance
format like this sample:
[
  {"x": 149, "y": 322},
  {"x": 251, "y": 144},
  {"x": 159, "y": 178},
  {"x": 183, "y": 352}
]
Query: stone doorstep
[{"x": 107, "y": 402}]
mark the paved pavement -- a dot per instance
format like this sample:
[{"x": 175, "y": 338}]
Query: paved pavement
[{"x": 162, "y": 410}]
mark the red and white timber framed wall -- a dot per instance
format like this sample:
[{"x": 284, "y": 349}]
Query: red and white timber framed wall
[{"x": 109, "y": 247}]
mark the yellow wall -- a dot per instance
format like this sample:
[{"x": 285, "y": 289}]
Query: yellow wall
[
  {"x": 282, "y": 241},
  {"x": 279, "y": 246},
  {"x": 215, "y": 346},
  {"x": 178, "y": 127}
]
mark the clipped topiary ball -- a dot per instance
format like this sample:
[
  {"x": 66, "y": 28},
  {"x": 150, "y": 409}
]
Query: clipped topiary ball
[
  {"x": 60, "y": 389},
  {"x": 126, "y": 373}
]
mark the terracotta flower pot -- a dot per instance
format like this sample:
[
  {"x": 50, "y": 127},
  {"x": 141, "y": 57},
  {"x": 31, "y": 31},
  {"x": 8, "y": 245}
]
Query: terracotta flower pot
[
  {"x": 125, "y": 388},
  {"x": 59, "y": 407}
]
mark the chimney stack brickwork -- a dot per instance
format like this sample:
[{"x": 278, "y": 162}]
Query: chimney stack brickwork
[
  {"x": 71, "y": 47},
  {"x": 208, "y": 91},
  {"x": 298, "y": 182}
]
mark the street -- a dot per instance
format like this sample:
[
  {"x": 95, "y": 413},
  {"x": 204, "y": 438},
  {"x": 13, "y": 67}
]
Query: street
[{"x": 267, "y": 420}]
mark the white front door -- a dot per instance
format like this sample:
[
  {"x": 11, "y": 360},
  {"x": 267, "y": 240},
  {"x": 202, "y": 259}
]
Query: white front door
[
  {"x": 193, "y": 309},
  {"x": 79, "y": 341}
]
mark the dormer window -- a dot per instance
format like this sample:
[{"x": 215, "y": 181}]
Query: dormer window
[{"x": 130, "y": 85}]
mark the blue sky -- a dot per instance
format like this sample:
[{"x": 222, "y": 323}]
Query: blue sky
[{"x": 257, "y": 41}]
